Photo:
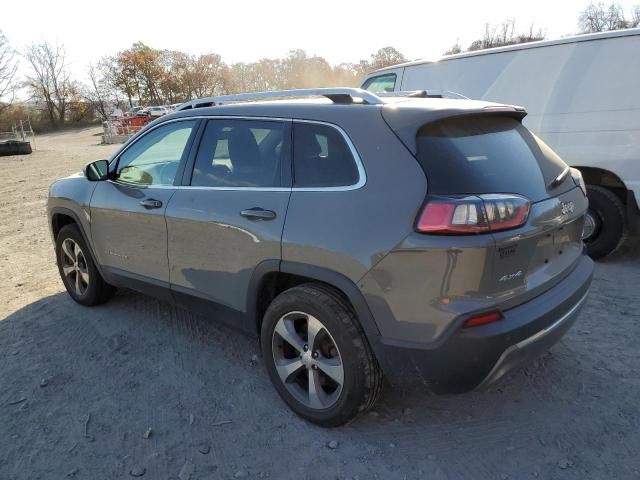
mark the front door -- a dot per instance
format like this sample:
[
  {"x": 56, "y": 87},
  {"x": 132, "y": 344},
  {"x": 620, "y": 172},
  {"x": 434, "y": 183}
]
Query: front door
[
  {"x": 127, "y": 212},
  {"x": 230, "y": 216}
]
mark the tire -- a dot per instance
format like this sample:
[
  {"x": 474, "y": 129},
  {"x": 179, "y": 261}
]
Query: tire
[
  {"x": 82, "y": 280},
  {"x": 339, "y": 342},
  {"x": 13, "y": 147},
  {"x": 610, "y": 226}
]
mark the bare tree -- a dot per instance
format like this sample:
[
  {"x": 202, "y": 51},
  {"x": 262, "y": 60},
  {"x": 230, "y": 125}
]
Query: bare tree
[
  {"x": 598, "y": 17},
  {"x": 8, "y": 68},
  {"x": 97, "y": 94},
  {"x": 455, "y": 49},
  {"x": 634, "y": 21},
  {"x": 49, "y": 79},
  {"x": 505, "y": 34}
]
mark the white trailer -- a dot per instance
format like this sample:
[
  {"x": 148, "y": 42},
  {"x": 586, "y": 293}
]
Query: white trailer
[{"x": 582, "y": 95}]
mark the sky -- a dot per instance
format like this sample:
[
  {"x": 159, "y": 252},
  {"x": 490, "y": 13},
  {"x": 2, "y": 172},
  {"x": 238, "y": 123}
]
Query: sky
[{"x": 244, "y": 30}]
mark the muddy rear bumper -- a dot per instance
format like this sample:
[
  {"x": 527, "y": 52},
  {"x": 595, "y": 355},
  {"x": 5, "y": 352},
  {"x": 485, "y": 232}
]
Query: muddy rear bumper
[{"x": 474, "y": 357}]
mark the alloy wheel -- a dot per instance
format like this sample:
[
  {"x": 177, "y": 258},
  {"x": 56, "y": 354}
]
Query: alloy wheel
[
  {"x": 74, "y": 266},
  {"x": 308, "y": 360}
]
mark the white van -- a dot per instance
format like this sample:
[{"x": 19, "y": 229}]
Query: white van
[{"x": 582, "y": 95}]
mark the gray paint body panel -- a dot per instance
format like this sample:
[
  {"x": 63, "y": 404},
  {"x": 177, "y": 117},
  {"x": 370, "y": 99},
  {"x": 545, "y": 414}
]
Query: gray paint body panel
[
  {"x": 126, "y": 235},
  {"x": 351, "y": 231},
  {"x": 213, "y": 250}
]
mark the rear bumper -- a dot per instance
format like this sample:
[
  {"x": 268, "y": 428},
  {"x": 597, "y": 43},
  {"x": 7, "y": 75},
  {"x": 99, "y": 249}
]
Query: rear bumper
[
  {"x": 479, "y": 356},
  {"x": 532, "y": 347}
]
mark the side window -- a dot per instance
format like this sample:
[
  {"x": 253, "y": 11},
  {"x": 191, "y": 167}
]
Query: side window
[
  {"x": 381, "y": 84},
  {"x": 154, "y": 159},
  {"x": 321, "y": 157},
  {"x": 241, "y": 153}
]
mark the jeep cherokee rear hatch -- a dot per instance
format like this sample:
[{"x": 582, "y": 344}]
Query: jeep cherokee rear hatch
[{"x": 488, "y": 175}]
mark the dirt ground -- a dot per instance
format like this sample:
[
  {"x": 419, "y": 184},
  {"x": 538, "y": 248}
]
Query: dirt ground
[{"x": 79, "y": 387}]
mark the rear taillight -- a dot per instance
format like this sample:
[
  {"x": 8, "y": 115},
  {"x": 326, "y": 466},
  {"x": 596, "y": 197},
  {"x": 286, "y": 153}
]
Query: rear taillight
[
  {"x": 578, "y": 180},
  {"x": 473, "y": 214}
]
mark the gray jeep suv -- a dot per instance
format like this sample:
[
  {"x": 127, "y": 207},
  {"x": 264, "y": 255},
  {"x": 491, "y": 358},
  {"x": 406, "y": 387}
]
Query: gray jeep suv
[{"x": 435, "y": 240}]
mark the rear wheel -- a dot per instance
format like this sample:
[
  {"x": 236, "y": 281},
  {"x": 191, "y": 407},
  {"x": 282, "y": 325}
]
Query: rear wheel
[
  {"x": 317, "y": 356},
  {"x": 605, "y": 222},
  {"x": 79, "y": 274}
]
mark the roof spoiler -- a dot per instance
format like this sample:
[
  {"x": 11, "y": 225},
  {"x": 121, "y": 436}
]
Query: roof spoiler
[{"x": 406, "y": 123}]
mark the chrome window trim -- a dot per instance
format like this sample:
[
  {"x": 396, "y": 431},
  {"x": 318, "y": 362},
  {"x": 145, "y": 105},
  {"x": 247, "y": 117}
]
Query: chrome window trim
[
  {"x": 362, "y": 175},
  {"x": 135, "y": 139}
]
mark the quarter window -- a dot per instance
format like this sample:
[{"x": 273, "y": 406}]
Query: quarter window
[
  {"x": 241, "y": 153},
  {"x": 154, "y": 159},
  {"x": 322, "y": 157},
  {"x": 381, "y": 84}
]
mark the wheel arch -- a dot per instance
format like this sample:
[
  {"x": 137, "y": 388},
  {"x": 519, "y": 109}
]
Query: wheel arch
[
  {"x": 60, "y": 217},
  {"x": 605, "y": 178},
  {"x": 272, "y": 277}
]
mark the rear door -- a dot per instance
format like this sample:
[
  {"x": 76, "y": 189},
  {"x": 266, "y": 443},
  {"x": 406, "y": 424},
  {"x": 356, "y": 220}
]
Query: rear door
[
  {"x": 127, "y": 213},
  {"x": 228, "y": 217},
  {"x": 494, "y": 158}
]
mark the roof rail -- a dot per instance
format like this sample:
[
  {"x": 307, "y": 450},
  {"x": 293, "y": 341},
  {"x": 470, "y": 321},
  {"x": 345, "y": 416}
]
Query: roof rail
[
  {"x": 424, "y": 94},
  {"x": 337, "y": 95}
]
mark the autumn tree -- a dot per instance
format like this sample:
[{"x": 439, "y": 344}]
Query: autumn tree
[
  {"x": 344, "y": 75},
  {"x": 385, "y": 57},
  {"x": 207, "y": 76},
  {"x": 151, "y": 76},
  {"x": 49, "y": 79},
  {"x": 265, "y": 74}
]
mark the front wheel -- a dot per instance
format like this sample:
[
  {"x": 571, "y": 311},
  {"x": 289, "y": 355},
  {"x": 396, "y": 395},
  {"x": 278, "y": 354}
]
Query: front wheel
[
  {"x": 79, "y": 274},
  {"x": 317, "y": 356}
]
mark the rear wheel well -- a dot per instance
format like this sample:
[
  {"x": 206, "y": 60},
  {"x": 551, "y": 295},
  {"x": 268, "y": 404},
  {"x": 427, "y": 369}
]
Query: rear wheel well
[
  {"x": 606, "y": 179},
  {"x": 274, "y": 283},
  {"x": 58, "y": 221}
]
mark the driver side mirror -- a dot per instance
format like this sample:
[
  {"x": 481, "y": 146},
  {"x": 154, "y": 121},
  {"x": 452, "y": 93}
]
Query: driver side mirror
[{"x": 97, "y": 171}]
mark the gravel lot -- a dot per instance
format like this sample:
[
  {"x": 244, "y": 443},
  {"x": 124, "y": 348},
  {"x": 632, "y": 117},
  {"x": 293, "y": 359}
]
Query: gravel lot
[{"x": 138, "y": 387}]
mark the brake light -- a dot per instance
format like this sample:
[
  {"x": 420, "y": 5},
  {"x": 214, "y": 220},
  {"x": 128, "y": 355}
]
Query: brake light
[
  {"x": 482, "y": 319},
  {"x": 473, "y": 214},
  {"x": 578, "y": 180}
]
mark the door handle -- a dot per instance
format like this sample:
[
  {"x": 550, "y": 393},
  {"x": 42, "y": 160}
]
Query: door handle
[
  {"x": 257, "y": 213},
  {"x": 150, "y": 203}
]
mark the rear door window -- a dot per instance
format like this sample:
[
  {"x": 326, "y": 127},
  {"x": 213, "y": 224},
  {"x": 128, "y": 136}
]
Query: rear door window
[
  {"x": 381, "y": 84},
  {"x": 485, "y": 154},
  {"x": 322, "y": 157},
  {"x": 243, "y": 153}
]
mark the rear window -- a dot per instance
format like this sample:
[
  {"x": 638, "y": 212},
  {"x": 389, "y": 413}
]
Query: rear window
[
  {"x": 485, "y": 154},
  {"x": 321, "y": 157}
]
